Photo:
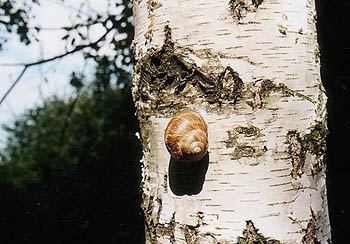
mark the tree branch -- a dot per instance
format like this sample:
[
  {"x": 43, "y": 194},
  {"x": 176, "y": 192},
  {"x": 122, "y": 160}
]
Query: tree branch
[
  {"x": 13, "y": 85},
  {"x": 28, "y": 65},
  {"x": 76, "y": 49},
  {"x": 4, "y": 22}
]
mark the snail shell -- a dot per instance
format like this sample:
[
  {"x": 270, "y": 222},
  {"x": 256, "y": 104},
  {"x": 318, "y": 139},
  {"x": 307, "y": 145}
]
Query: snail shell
[{"x": 186, "y": 136}]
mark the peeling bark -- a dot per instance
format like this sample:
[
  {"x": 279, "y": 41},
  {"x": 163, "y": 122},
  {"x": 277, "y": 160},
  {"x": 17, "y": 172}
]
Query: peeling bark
[{"x": 251, "y": 68}]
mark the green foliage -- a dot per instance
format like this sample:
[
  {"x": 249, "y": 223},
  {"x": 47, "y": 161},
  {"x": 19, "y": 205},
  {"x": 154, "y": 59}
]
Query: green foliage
[
  {"x": 70, "y": 169},
  {"x": 115, "y": 66},
  {"x": 70, "y": 172},
  {"x": 15, "y": 19},
  {"x": 116, "y": 23}
]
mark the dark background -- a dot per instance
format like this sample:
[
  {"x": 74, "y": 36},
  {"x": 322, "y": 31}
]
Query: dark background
[{"x": 334, "y": 40}]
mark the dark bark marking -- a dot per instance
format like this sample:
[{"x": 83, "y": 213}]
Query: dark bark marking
[
  {"x": 192, "y": 234},
  {"x": 245, "y": 131},
  {"x": 162, "y": 70},
  {"x": 313, "y": 142},
  {"x": 153, "y": 5},
  {"x": 310, "y": 231},
  {"x": 296, "y": 152},
  {"x": 262, "y": 89},
  {"x": 240, "y": 8},
  {"x": 167, "y": 229},
  {"x": 242, "y": 149},
  {"x": 232, "y": 139},
  {"x": 252, "y": 236},
  {"x": 152, "y": 226},
  {"x": 230, "y": 85},
  {"x": 257, "y": 3},
  {"x": 269, "y": 86},
  {"x": 248, "y": 131}
]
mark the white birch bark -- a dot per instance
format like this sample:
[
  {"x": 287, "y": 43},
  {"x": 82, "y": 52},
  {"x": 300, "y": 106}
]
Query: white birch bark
[{"x": 267, "y": 120}]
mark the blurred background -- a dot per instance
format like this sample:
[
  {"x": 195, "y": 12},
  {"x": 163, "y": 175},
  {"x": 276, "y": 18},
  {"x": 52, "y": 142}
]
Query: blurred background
[{"x": 69, "y": 158}]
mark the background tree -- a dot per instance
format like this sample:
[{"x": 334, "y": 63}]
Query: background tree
[
  {"x": 15, "y": 19},
  {"x": 117, "y": 35},
  {"x": 70, "y": 172}
]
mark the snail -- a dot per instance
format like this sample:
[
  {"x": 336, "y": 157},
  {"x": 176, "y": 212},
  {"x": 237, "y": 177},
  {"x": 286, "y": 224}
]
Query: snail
[{"x": 186, "y": 136}]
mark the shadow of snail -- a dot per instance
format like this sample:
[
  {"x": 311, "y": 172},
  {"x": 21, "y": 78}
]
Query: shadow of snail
[{"x": 186, "y": 138}]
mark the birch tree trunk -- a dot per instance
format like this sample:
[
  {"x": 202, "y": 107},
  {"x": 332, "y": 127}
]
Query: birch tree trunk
[{"x": 251, "y": 68}]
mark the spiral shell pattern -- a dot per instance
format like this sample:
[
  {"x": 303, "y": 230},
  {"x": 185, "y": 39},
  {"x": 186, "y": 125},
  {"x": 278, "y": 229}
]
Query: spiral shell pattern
[{"x": 186, "y": 136}]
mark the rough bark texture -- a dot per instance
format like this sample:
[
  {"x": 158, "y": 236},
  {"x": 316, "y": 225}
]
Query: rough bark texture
[{"x": 251, "y": 68}]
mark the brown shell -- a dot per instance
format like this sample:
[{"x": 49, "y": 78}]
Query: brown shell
[{"x": 186, "y": 136}]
